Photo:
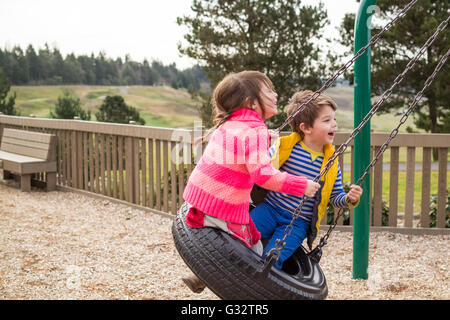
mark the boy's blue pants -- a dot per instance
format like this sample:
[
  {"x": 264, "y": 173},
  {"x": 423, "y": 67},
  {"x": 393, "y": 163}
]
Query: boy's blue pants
[{"x": 272, "y": 222}]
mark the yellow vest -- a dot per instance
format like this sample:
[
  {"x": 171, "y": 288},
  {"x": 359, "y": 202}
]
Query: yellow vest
[{"x": 283, "y": 147}]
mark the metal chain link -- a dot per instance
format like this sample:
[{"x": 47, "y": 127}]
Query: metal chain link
[
  {"x": 280, "y": 242},
  {"x": 393, "y": 134},
  {"x": 347, "y": 65},
  {"x": 384, "y": 97}
]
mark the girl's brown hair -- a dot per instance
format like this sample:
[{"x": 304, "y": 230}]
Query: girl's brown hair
[
  {"x": 237, "y": 91},
  {"x": 311, "y": 110}
]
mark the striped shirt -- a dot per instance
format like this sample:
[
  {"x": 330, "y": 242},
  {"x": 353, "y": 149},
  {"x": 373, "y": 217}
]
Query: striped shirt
[{"x": 305, "y": 162}]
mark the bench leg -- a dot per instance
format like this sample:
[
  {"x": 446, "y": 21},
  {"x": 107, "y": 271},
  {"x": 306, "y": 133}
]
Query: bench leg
[
  {"x": 25, "y": 182},
  {"x": 51, "y": 181},
  {"x": 7, "y": 175}
]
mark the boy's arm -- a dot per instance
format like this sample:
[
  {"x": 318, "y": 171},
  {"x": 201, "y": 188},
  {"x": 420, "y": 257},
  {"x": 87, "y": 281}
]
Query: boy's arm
[{"x": 338, "y": 196}]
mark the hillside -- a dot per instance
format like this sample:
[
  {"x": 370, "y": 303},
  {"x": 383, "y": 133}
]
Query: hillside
[
  {"x": 167, "y": 107},
  {"x": 343, "y": 96},
  {"x": 159, "y": 105}
]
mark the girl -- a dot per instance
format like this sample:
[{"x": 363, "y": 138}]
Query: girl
[{"x": 235, "y": 158}]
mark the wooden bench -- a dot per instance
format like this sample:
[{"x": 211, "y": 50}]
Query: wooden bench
[{"x": 25, "y": 153}]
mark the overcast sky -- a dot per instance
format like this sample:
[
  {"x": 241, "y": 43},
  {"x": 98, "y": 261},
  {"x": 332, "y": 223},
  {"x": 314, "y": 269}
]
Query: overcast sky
[{"x": 143, "y": 29}]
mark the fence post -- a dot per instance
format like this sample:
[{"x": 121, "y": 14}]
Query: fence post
[
  {"x": 361, "y": 215},
  {"x": 129, "y": 169}
]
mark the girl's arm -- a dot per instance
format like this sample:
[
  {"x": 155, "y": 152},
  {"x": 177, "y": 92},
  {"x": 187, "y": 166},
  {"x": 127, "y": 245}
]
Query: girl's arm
[{"x": 264, "y": 174}]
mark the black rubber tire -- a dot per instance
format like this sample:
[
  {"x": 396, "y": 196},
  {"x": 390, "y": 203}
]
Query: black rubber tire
[{"x": 234, "y": 272}]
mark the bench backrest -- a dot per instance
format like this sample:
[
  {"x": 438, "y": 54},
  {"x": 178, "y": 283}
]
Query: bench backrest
[{"x": 29, "y": 143}]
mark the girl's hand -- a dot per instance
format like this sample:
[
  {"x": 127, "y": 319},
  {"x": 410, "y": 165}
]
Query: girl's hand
[
  {"x": 355, "y": 193},
  {"x": 311, "y": 188}
]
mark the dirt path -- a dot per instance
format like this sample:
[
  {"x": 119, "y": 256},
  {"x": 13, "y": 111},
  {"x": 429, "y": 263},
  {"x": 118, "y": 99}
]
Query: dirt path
[{"x": 61, "y": 245}]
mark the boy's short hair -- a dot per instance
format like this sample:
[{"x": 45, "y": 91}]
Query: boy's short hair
[{"x": 310, "y": 111}]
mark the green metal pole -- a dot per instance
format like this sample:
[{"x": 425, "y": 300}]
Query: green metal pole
[{"x": 361, "y": 217}]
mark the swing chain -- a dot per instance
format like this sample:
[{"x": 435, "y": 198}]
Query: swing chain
[
  {"x": 383, "y": 98},
  {"x": 347, "y": 65},
  {"x": 405, "y": 116},
  {"x": 317, "y": 251}
]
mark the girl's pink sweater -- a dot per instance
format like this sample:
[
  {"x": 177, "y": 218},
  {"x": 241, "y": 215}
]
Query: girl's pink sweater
[{"x": 235, "y": 158}]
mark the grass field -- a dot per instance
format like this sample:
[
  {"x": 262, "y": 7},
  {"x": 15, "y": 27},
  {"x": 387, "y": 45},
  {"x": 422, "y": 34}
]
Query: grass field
[
  {"x": 402, "y": 187},
  {"x": 167, "y": 107},
  {"x": 379, "y": 123},
  {"x": 159, "y": 106}
]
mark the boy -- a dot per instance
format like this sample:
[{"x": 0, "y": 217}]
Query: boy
[{"x": 304, "y": 152}]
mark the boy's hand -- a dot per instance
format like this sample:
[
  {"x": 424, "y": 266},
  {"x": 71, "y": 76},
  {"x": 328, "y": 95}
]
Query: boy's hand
[
  {"x": 311, "y": 188},
  {"x": 355, "y": 193}
]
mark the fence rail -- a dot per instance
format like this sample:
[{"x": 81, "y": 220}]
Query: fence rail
[{"x": 149, "y": 166}]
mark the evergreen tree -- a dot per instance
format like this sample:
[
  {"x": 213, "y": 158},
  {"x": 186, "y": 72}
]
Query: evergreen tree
[
  {"x": 114, "y": 109},
  {"x": 88, "y": 66},
  {"x": 149, "y": 76},
  {"x": 68, "y": 106},
  {"x": 50, "y": 67},
  {"x": 397, "y": 47},
  {"x": 45, "y": 64},
  {"x": 72, "y": 72},
  {"x": 276, "y": 37},
  {"x": 6, "y": 103},
  {"x": 33, "y": 63},
  {"x": 20, "y": 67}
]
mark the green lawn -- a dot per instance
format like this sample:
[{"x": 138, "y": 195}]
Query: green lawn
[
  {"x": 387, "y": 155},
  {"x": 159, "y": 106},
  {"x": 402, "y": 187},
  {"x": 378, "y": 123},
  {"x": 167, "y": 107}
]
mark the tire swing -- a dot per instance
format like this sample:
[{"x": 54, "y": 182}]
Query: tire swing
[{"x": 233, "y": 271}]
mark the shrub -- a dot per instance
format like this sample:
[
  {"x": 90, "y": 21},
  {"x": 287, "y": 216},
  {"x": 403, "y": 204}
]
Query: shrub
[
  {"x": 68, "y": 106},
  {"x": 114, "y": 109},
  {"x": 433, "y": 210}
]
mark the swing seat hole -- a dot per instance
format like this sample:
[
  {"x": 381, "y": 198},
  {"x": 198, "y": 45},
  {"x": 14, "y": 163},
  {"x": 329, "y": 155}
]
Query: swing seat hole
[{"x": 298, "y": 265}]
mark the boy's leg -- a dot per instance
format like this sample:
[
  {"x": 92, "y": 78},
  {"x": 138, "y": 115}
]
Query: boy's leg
[
  {"x": 264, "y": 219},
  {"x": 293, "y": 241}
]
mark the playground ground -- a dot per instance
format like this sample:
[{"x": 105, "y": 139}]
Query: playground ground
[{"x": 63, "y": 245}]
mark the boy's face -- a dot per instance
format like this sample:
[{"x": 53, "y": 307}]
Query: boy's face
[{"x": 324, "y": 127}]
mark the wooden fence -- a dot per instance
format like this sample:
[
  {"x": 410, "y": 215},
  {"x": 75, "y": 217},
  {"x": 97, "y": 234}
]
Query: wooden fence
[{"x": 148, "y": 166}]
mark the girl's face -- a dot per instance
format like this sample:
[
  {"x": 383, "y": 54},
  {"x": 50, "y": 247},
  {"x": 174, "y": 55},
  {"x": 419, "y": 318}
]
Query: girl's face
[{"x": 269, "y": 101}]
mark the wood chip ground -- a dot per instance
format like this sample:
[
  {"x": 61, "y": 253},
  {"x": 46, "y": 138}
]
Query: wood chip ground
[{"x": 62, "y": 245}]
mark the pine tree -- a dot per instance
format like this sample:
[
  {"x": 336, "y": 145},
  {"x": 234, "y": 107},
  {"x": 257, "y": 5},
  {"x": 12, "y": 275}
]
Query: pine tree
[
  {"x": 33, "y": 63},
  {"x": 397, "y": 47},
  {"x": 68, "y": 106},
  {"x": 114, "y": 109},
  {"x": 276, "y": 37},
  {"x": 6, "y": 103}
]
